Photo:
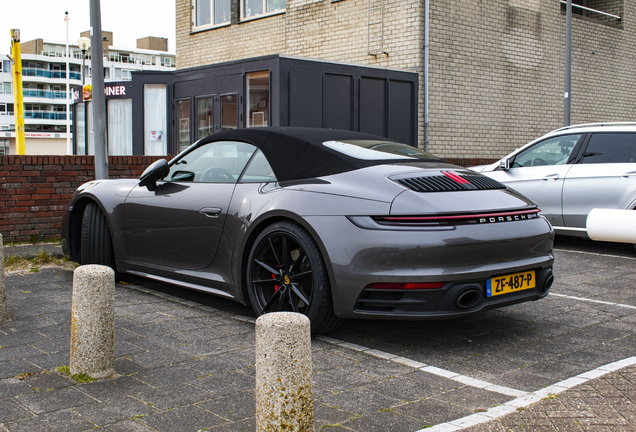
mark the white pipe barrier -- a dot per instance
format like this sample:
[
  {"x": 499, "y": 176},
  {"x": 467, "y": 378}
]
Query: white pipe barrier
[
  {"x": 93, "y": 322},
  {"x": 612, "y": 225},
  {"x": 284, "y": 386},
  {"x": 4, "y": 313}
]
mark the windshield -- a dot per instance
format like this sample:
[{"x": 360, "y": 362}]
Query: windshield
[{"x": 378, "y": 150}]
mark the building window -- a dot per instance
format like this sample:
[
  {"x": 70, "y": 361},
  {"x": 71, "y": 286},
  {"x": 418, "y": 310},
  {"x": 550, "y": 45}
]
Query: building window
[
  {"x": 183, "y": 122},
  {"x": 126, "y": 75},
  {"x": 252, "y": 8},
  {"x": 80, "y": 128},
  {"x": 90, "y": 136},
  {"x": 205, "y": 117},
  {"x": 258, "y": 99},
  {"x": 120, "y": 130},
  {"x": 155, "y": 120},
  {"x": 6, "y": 108},
  {"x": 210, "y": 13},
  {"x": 605, "y": 11},
  {"x": 229, "y": 112}
]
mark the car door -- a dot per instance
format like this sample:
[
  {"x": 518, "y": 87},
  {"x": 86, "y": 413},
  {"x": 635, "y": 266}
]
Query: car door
[
  {"x": 538, "y": 172},
  {"x": 179, "y": 224},
  {"x": 605, "y": 177}
]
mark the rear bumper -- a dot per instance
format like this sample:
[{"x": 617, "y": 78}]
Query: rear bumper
[{"x": 464, "y": 258}]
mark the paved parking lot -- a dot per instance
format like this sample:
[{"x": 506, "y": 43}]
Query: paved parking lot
[{"x": 186, "y": 359}]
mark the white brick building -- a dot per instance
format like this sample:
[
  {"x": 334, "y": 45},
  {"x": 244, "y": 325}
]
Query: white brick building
[{"x": 496, "y": 67}]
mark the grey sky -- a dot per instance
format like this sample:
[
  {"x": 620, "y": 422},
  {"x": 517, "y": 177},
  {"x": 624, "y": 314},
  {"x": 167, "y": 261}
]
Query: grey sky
[{"x": 129, "y": 20}]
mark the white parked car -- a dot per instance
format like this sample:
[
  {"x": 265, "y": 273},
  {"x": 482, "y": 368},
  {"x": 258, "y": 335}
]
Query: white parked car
[{"x": 572, "y": 170}]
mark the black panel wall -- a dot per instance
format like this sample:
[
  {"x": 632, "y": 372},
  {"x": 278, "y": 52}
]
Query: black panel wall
[
  {"x": 373, "y": 106},
  {"x": 305, "y": 96},
  {"x": 337, "y": 103},
  {"x": 401, "y": 103}
]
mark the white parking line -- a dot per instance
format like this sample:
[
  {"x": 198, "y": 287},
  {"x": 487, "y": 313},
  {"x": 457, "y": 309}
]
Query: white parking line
[
  {"x": 466, "y": 380},
  {"x": 594, "y": 301},
  {"x": 528, "y": 399},
  {"x": 595, "y": 253}
]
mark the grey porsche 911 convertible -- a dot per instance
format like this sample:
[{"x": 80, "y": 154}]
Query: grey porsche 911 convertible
[{"x": 329, "y": 223}]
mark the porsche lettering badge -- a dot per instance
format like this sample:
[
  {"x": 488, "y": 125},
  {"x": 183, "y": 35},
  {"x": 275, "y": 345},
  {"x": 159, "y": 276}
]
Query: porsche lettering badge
[{"x": 495, "y": 219}]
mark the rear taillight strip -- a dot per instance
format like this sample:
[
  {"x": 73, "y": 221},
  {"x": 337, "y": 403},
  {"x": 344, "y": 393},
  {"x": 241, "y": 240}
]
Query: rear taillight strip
[{"x": 499, "y": 217}]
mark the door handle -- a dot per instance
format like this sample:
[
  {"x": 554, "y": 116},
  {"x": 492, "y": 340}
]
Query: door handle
[
  {"x": 629, "y": 174},
  {"x": 210, "y": 211},
  {"x": 550, "y": 177}
]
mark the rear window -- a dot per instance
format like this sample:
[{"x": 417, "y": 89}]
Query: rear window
[
  {"x": 378, "y": 150},
  {"x": 610, "y": 148}
]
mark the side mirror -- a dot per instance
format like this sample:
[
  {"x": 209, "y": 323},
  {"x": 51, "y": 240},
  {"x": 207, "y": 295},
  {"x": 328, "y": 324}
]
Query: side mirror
[
  {"x": 153, "y": 173},
  {"x": 504, "y": 164}
]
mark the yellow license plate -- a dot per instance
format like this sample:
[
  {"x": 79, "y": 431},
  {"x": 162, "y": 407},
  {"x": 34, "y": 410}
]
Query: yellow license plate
[{"x": 510, "y": 283}]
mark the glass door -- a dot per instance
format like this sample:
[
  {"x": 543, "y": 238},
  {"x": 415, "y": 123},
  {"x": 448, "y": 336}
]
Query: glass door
[{"x": 182, "y": 108}]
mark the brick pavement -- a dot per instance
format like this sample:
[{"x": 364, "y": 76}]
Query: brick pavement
[
  {"x": 605, "y": 404},
  {"x": 187, "y": 366}
]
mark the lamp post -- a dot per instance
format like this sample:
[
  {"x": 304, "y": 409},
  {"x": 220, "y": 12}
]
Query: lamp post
[{"x": 84, "y": 44}]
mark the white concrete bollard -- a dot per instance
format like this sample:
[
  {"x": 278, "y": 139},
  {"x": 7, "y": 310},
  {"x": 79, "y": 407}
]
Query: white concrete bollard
[
  {"x": 93, "y": 322},
  {"x": 4, "y": 313},
  {"x": 284, "y": 386}
]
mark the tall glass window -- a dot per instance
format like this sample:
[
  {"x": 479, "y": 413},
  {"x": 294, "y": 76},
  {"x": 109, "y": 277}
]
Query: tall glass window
[
  {"x": 205, "y": 117},
  {"x": 120, "y": 130},
  {"x": 252, "y": 8},
  {"x": 183, "y": 124},
  {"x": 80, "y": 128},
  {"x": 90, "y": 142},
  {"x": 258, "y": 99},
  {"x": 229, "y": 112},
  {"x": 155, "y": 120},
  {"x": 211, "y": 12}
]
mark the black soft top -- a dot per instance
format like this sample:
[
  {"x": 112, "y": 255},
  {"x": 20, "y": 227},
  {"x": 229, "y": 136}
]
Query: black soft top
[{"x": 297, "y": 153}]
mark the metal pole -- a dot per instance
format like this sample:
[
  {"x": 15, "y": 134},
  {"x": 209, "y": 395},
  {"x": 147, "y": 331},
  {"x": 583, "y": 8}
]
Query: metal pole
[
  {"x": 426, "y": 52},
  {"x": 567, "y": 93},
  {"x": 99, "y": 100},
  {"x": 69, "y": 148},
  {"x": 83, "y": 67}
]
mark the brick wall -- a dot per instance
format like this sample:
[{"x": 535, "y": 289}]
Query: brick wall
[
  {"x": 497, "y": 73},
  {"x": 36, "y": 190}
]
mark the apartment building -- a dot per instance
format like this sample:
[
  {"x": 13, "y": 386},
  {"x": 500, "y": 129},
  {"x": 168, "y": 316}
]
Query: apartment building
[
  {"x": 495, "y": 69},
  {"x": 44, "y": 85}
]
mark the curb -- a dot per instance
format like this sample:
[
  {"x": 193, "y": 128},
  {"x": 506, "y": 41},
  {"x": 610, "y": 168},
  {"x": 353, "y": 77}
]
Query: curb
[{"x": 33, "y": 250}]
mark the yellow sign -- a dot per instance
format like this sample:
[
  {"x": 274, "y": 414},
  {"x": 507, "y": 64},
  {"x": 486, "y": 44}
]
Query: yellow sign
[{"x": 18, "y": 101}]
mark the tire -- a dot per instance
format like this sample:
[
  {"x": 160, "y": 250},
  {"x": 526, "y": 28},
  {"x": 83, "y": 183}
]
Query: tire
[
  {"x": 96, "y": 242},
  {"x": 286, "y": 273}
]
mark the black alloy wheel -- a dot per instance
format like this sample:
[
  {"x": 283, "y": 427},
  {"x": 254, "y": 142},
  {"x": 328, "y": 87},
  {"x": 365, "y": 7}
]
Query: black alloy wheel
[{"x": 286, "y": 273}]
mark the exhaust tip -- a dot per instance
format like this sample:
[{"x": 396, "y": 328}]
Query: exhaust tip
[
  {"x": 548, "y": 282},
  {"x": 468, "y": 299}
]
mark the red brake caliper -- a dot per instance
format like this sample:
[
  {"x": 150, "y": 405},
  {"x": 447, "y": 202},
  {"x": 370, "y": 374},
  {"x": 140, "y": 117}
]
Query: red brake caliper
[{"x": 276, "y": 287}]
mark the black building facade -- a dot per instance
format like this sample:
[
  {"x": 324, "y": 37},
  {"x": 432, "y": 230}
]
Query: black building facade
[{"x": 161, "y": 113}]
